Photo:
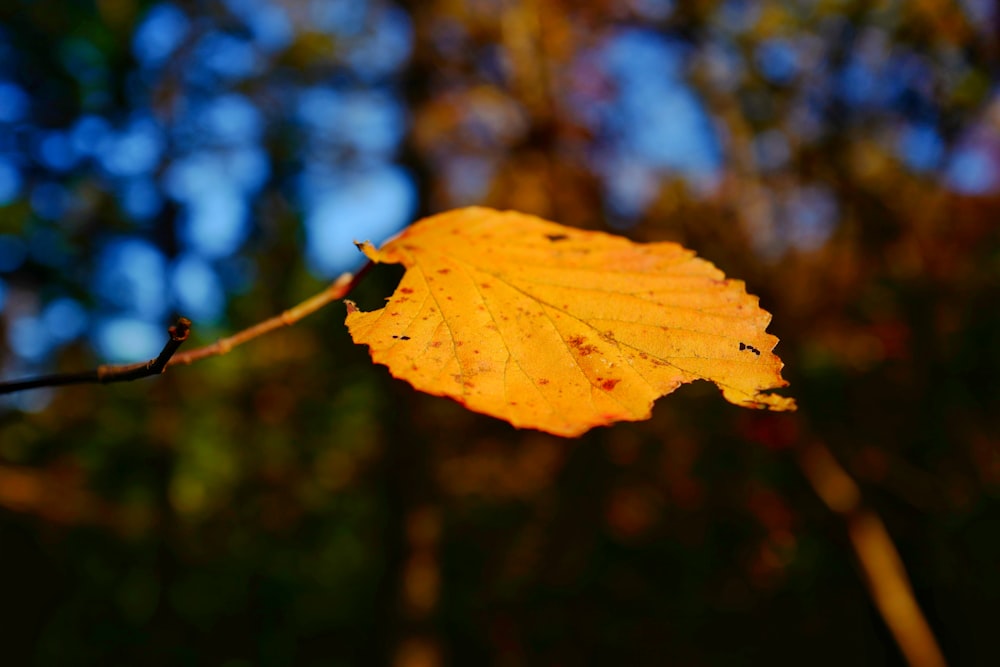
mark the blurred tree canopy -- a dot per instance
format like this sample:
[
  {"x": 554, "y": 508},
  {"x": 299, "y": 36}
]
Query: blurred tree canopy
[{"x": 289, "y": 503}]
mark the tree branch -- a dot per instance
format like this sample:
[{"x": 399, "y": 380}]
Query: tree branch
[
  {"x": 106, "y": 373},
  {"x": 179, "y": 333}
]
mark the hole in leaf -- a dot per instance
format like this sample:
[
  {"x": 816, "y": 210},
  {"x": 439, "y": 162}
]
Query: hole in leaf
[{"x": 377, "y": 286}]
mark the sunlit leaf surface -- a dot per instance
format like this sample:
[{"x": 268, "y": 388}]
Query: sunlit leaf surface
[{"x": 559, "y": 329}]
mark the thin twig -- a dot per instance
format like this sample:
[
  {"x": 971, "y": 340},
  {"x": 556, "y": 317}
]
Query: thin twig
[
  {"x": 883, "y": 568},
  {"x": 110, "y": 372},
  {"x": 179, "y": 333},
  {"x": 340, "y": 288}
]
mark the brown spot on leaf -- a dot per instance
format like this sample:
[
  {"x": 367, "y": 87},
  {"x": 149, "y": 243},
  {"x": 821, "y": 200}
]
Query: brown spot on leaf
[
  {"x": 436, "y": 343},
  {"x": 406, "y": 290},
  {"x": 556, "y": 237},
  {"x": 609, "y": 384},
  {"x": 580, "y": 344},
  {"x": 543, "y": 381},
  {"x": 444, "y": 272}
]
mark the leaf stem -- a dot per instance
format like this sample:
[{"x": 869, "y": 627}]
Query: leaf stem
[{"x": 338, "y": 289}]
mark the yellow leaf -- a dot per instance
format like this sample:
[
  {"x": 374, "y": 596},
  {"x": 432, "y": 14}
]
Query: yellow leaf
[{"x": 560, "y": 329}]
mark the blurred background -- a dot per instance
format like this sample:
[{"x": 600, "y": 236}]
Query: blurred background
[{"x": 291, "y": 504}]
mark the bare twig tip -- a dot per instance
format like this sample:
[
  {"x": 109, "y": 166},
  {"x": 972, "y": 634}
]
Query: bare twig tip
[{"x": 180, "y": 330}]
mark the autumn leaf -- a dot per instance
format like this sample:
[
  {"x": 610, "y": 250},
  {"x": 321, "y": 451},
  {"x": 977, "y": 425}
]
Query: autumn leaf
[{"x": 560, "y": 329}]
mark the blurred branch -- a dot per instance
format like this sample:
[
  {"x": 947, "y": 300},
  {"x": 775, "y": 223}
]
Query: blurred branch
[
  {"x": 886, "y": 576},
  {"x": 179, "y": 333},
  {"x": 521, "y": 35}
]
